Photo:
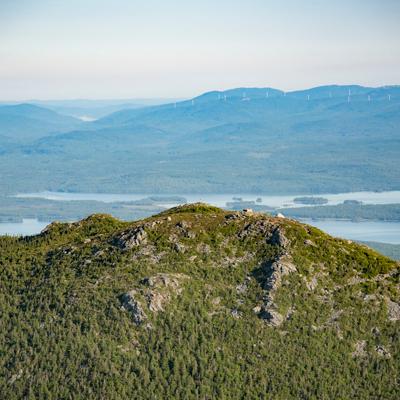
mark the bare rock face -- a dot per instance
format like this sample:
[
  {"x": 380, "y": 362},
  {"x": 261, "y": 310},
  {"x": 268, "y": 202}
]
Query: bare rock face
[
  {"x": 132, "y": 305},
  {"x": 131, "y": 238},
  {"x": 278, "y": 238},
  {"x": 258, "y": 227},
  {"x": 274, "y": 276},
  {"x": 271, "y": 316},
  {"x": 161, "y": 288},
  {"x": 155, "y": 293},
  {"x": 276, "y": 271},
  {"x": 393, "y": 310}
]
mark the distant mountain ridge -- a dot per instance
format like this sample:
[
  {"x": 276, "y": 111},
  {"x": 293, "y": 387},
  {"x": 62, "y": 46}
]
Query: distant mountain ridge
[
  {"x": 332, "y": 93},
  {"x": 254, "y": 140},
  {"x": 27, "y": 121}
]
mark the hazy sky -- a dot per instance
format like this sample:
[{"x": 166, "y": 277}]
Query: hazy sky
[{"x": 53, "y": 49}]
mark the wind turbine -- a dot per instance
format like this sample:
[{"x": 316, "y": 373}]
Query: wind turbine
[
  {"x": 389, "y": 96},
  {"x": 308, "y": 97}
]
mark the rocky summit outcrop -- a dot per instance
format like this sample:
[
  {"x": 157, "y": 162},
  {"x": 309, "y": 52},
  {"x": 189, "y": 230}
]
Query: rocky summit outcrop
[
  {"x": 196, "y": 303},
  {"x": 131, "y": 238}
]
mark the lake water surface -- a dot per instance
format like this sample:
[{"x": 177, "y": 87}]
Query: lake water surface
[
  {"x": 368, "y": 231},
  {"x": 28, "y": 226},
  {"x": 220, "y": 200}
]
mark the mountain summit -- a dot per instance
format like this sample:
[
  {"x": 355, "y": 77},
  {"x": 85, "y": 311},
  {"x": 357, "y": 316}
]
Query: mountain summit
[{"x": 196, "y": 302}]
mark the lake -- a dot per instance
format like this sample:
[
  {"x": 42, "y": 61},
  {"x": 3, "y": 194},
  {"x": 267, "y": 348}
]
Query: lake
[
  {"x": 28, "y": 226},
  {"x": 368, "y": 231},
  {"x": 220, "y": 200}
]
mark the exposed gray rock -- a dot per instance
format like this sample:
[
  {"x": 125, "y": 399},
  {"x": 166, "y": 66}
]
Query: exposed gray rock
[
  {"x": 275, "y": 272},
  {"x": 278, "y": 238},
  {"x": 393, "y": 310},
  {"x": 190, "y": 234},
  {"x": 233, "y": 216},
  {"x": 382, "y": 351},
  {"x": 182, "y": 225},
  {"x": 216, "y": 301},
  {"x": 15, "y": 377},
  {"x": 375, "y": 331},
  {"x": 257, "y": 309},
  {"x": 130, "y": 304},
  {"x": 179, "y": 248},
  {"x": 312, "y": 283},
  {"x": 131, "y": 238},
  {"x": 203, "y": 248},
  {"x": 271, "y": 316},
  {"x": 360, "y": 349},
  {"x": 164, "y": 280},
  {"x": 242, "y": 288},
  {"x": 161, "y": 289},
  {"x": 236, "y": 313}
]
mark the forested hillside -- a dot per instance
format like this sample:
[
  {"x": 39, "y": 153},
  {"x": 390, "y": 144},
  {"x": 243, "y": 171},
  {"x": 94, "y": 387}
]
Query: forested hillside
[{"x": 196, "y": 302}]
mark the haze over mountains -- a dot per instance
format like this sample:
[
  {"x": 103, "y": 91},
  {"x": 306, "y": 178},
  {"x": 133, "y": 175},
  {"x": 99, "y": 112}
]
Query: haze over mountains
[{"x": 324, "y": 139}]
